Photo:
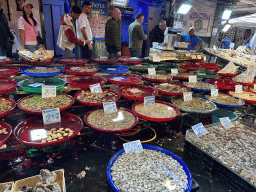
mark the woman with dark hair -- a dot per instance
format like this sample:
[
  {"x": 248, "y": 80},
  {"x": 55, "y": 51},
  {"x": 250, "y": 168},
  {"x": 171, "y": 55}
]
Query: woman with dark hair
[{"x": 29, "y": 28}]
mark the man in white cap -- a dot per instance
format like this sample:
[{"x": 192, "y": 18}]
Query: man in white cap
[{"x": 193, "y": 40}]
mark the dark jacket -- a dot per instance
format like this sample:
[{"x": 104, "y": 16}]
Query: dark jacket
[
  {"x": 5, "y": 33},
  {"x": 156, "y": 35},
  {"x": 113, "y": 35}
]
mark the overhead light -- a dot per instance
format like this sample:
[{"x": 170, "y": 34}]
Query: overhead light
[
  {"x": 184, "y": 8},
  {"x": 226, "y": 28},
  {"x": 226, "y": 14}
]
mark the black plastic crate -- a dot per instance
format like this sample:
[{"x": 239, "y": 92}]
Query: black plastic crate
[{"x": 212, "y": 166}]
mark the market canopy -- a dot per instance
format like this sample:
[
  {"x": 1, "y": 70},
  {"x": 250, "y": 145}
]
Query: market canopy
[{"x": 248, "y": 21}]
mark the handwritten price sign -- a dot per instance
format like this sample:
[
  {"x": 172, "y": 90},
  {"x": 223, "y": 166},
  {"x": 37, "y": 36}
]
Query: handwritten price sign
[
  {"x": 199, "y": 129},
  {"x": 51, "y": 116},
  {"x": 238, "y": 88},
  {"x": 226, "y": 123},
  {"x": 174, "y": 71},
  {"x": 149, "y": 101},
  {"x": 187, "y": 96},
  {"x": 110, "y": 107},
  {"x": 214, "y": 92},
  {"x": 151, "y": 71},
  {"x": 36, "y": 84},
  {"x": 95, "y": 88},
  {"x": 48, "y": 91},
  {"x": 192, "y": 79},
  {"x": 134, "y": 146}
]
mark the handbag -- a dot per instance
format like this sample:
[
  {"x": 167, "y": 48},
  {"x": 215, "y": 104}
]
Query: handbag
[{"x": 38, "y": 38}]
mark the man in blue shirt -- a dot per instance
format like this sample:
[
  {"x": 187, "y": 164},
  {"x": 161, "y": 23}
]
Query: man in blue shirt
[
  {"x": 193, "y": 40},
  {"x": 225, "y": 43}
]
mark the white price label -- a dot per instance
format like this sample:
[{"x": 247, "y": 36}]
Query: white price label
[
  {"x": 48, "y": 91},
  {"x": 36, "y": 84},
  {"x": 193, "y": 57},
  {"x": 174, "y": 71},
  {"x": 103, "y": 57},
  {"x": 254, "y": 86},
  {"x": 156, "y": 59},
  {"x": 110, "y": 107},
  {"x": 134, "y": 90},
  {"x": 151, "y": 71},
  {"x": 118, "y": 78},
  {"x": 95, "y": 88},
  {"x": 226, "y": 123},
  {"x": 149, "y": 101},
  {"x": 187, "y": 96},
  {"x": 134, "y": 146},
  {"x": 187, "y": 54},
  {"x": 239, "y": 88},
  {"x": 199, "y": 57},
  {"x": 111, "y": 69},
  {"x": 41, "y": 68},
  {"x": 205, "y": 59},
  {"x": 214, "y": 92},
  {"x": 75, "y": 68},
  {"x": 51, "y": 116},
  {"x": 199, "y": 129},
  {"x": 192, "y": 79}
]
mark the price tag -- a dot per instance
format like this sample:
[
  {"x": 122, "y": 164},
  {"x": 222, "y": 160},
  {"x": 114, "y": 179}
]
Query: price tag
[
  {"x": 51, "y": 116},
  {"x": 149, "y": 101},
  {"x": 118, "y": 78},
  {"x": 156, "y": 59},
  {"x": 48, "y": 91},
  {"x": 239, "y": 88},
  {"x": 103, "y": 57},
  {"x": 192, "y": 79},
  {"x": 151, "y": 71},
  {"x": 75, "y": 68},
  {"x": 254, "y": 86},
  {"x": 226, "y": 123},
  {"x": 134, "y": 90},
  {"x": 187, "y": 96},
  {"x": 199, "y": 57},
  {"x": 111, "y": 69},
  {"x": 214, "y": 92},
  {"x": 134, "y": 146},
  {"x": 204, "y": 58},
  {"x": 95, "y": 88},
  {"x": 41, "y": 68},
  {"x": 193, "y": 57},
  {"x": 36, "y": 84},
  {"x": 199, "y": 129},
  {"x": 174, "y": 71},
  {"x": 164, "y": 84},
  {"x": 110, "y": 107}
]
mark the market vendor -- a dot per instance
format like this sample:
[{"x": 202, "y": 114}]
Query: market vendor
[
  {"x": 193, "y": 40},
  {"x": 225, "y": 43}
]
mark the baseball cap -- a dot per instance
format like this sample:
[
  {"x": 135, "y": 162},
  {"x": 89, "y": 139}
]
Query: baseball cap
[
  {"x": 190, "y": 28},
  {"x": 26, "y": 3}
]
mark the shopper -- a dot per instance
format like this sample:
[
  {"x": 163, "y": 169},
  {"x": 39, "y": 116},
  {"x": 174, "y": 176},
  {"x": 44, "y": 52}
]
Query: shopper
[
  {"x": 225, "y": 43},
  {"x": 193, "y": 40},
  {"x": 84, "y": 31},
  {"x": 29, "y": 29},
  {"x": 136, "y": 36},
  {"x": 157, "y": 34},
  {"x": 113, "y": 34},
  {"x": 67, "y": 38}
]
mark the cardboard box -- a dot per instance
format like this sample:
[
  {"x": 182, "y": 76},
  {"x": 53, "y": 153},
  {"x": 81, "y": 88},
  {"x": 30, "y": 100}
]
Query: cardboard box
[
  {"x": 32, "y": 181},
  {"x": 3, "y": 185}
]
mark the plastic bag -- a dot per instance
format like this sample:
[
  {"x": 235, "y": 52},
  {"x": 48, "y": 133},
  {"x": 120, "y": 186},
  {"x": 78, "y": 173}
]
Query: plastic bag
[
  {"x": 16, "y": 46},
  {"x": 247, "y": 76},
  {"x": 230, "y": 68}
]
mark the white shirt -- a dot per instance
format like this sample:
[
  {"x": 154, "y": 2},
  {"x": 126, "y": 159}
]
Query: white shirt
[{"x": 81, "y": 23}]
